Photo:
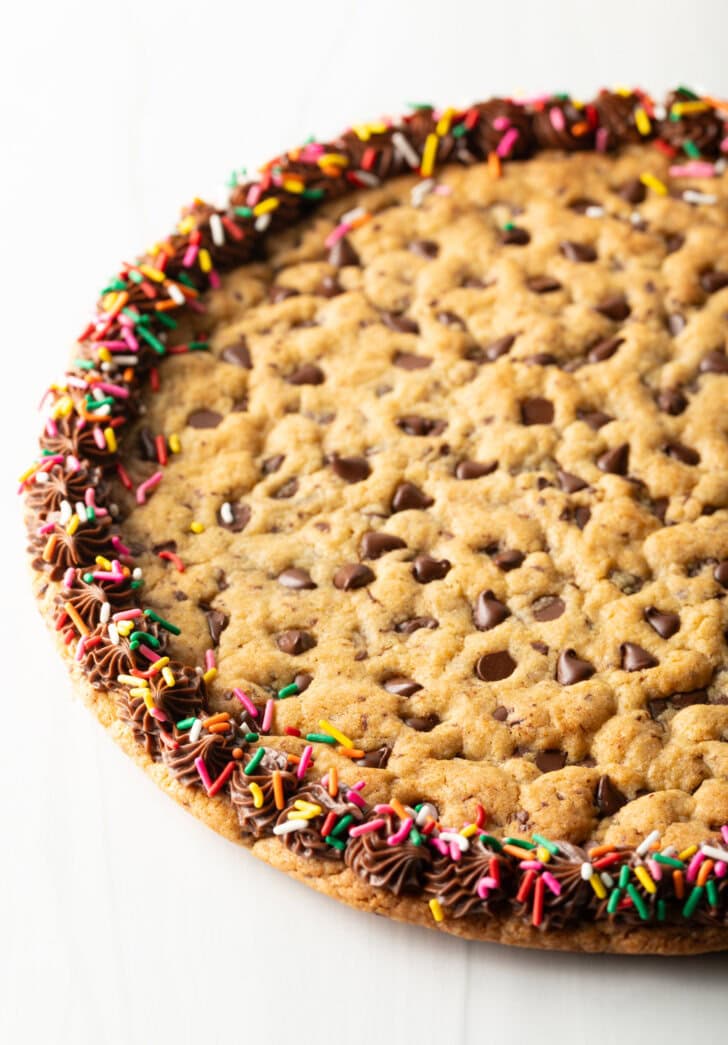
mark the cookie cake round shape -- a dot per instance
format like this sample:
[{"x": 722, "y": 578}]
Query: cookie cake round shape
[{"x": 382, "y": 516}]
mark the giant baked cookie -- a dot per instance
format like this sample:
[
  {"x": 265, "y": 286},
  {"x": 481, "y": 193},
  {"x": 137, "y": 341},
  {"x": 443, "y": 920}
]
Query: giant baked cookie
[{"x": 383, "y": 514}]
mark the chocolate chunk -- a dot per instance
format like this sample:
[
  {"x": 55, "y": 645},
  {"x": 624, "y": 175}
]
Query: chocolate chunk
[
  {"x": 550, "y": 761},
  {"x": 635, "y": 658},
  {"x": 596, "y": 419},
  {"x": 682, "y": 453},
  {"x": 342, "y": 253},
  {"x": 450, "y": 319},
  {"x": 712, "y": 280},
  {"x": 540, "y": 647},
  {"x": 489, "y": 611},
  {"x": 720, "y": 573},
  {"x": 288, "y": 489},
  {"x": 604, "y": 349},
  {"x": 540, "y": 359},
  {"x": 235, "y": 517},
  {"x": 614, "y": 307},
  {"x": 303, "y": 680},
  {"x": 582, "y": 515},
  {"x": 664, "y": 623},
  {"x": 492, "y": 667},
  {"x": 676, "y": 323},
  {"x": 329, "y": 287},
  {"x": 633, "y": 191},
  {"x": 411, "y": 361},
  {"x": 376, "y": 759},
  {"x": 217, "y": 621},
  {"x": 500, "y": 347},
  {"x": 615, "y": 461},
  {"x": 306, "y": 374},
  {"x": 374, "y": 543},
  {"x": 401, "y": 323},
  {"x": 276, "y": 293},
  {"x": 407, "y": 496},
  {"x": 537, "y": 411},
  {"x": 401, "y": 685},
  {"x": 673, "y": 242},
  {"x": 500, "y": 714},
  {"x": 408, "y": 627},
  {"x": 425, "y": 569},
  {"x": 657, "y": 706},
  {"x": 474, "y": 469},
  {"x": 582, "y": 204},
  {"x": 351, "y": 469},
  {"x": 549, "y": 607},
  {"x": 715, "y": 362},
  {"x": 294, "y": 641},
  {"x": 204, "y": 419},
  {"x": 571, "y": 669},
  {"x": 238, "y": 354},
  {"x": 413, "y": 424},
  {"x": 272, "y": 464},
  {"x": 422, "y": 723},
  {"x": 580, "y": 252},
  {"x": 609, "y": 798},
  {"x": 296, "y": 579},
  {"x": 515, "y": 237},
  {"x": 569, "y": 482},
  {"x": 510, "y": 559},
  {"x": 353, "y": 575},
  {"x": 424, "y": 248},
  {"x": 688, "y": 700},
  {"x": 543, "y": 284},
  {"x": 671, "y": 401}
]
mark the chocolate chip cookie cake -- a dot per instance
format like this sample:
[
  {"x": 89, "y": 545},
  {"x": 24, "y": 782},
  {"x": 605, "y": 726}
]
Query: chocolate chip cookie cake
[{"x": 382, "y": 515}]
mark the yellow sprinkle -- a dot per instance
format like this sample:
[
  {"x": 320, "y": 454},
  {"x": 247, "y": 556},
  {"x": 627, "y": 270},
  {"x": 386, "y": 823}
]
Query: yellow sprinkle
[
  {"x": 197, "y": 527},
  {"x": 543, "y": 854},
  {"x": 644, "y": 878},
  {"x": 159, "y": 664},
  {"x": 168, "y": 676},
  {"x": 443, "y": 124},
  {"x": 304, "y": 810},
  {"x": 174, "y": 443},
  {"x": 257, "y": 795},
  {"x": 469, "y": 831},
  {"x": 333, "y": 159},
  {"x": 210, "y": 675},
  {"x": 73, "y": 524},
  {"x": 436, "y": 908},
  {"x": 429, "y": 153},
  {"x": 265, "y": 206},
  {"x": 27, "y": 474},
  {"x": 125, "y": 627},
  {"x": 63, "y": 408},
  {"x": 103, "y": 562},
  {"x": 156, "y": 275},
  {"x": 681, "y": 108},
  {"x": 342, "y": 739},
  {"x": 642, "y": 121},
  {"x": 205, "y": 260},
  {"x": 291, "y": 185},
  {"x": 598, "y": 886},
  {"x": 687, "y": 853},
  {"x": 110, "y": 437},
  {"x": 654, "y": 183},
  {"x": 131, "y": 680},
  {"x": 146, "y": 695},
  {"x": 104, "y": 355},
  {"x": 186, "y": 225}
]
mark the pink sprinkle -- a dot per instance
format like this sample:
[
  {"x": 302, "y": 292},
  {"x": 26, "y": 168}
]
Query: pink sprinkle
[
  {"x": 602, "y": 139},
  {"x": 724, "y": 832},
  {"x": 106, "y": 575},
  {"x": 120, "y": 547},
  {"x": 654, "y": 869},
  {"x": 359, "y": 785},
  {"x": 724, "y": 145},
  {"x": 696, "y": 169},
  {"x": 204, "y": 775},
  {"x": 99, "y": 438},
  {"x": 149, "y": 653},
  {"x": 158, "y": 714},
  {"x": 127, "y": 614},
  {"x": 455, "y": 852},
  {"x": 89, "y": 497},
  {"x": 530, "y": 865},
  {"x": 551, "y": 883},
  {"x": 50, "y": 461},
  {"x": 69, "y": 577},
  {"x": 48, "y": 527},
  {"x": 190, "y": 254},
  {"x": 114, "y": 390},
  {"x": 401, "y": 833},
  {"x": 442, "y": 847},
  {"x": 245, "y": 701},
  {"x": 484, "y": 885},
  {"x": 210, "y": 661},
  {"x": 558, "y": 121},
  {"x": 213, "y": 279},
  {"x": 148, "y": 485},
  {"x": 355, "y": 798},
  {"x": 51, "y": 427},
  {"x": 254, "y": 194},
  {"x": 694, "y": 866},
  {"x": 336, "y": 234},
  {"x": 442, "y": 190},
  {"x": 501, "y": 123},
  {"x": 268, "y": 715},
  {"x": 305, "y": 761},
  {"x": 311, "y": 152},
  {"x": 72, "y": 463},
  {"x": 382, "y": 807},
  {"x": 507, "y": 142},
  {"x": 113, "y": 346},
  {"x": 81, "y": 648},
  {"x": 130, "y": 339},
  {"x": 720, "y": 869},
  {"x": 367, "y": 828}
]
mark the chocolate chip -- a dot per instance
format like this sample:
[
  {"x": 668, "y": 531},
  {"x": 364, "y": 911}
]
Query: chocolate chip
[
  {"x": 489, "y": 611},
  {"x": 673, "y": 242},
  {"x": 500, "y": 347},
  {"x": 715, "y": 362},
  {"x": 569, "y": 482},
  {"x": 671, "y": 401},
  {"x": 402, "y": 685},
  {"x": 329, "y": 287},
  {"x": 720, "y": 573},
  {"x": 473, "y": 283},
  {"x": 276, "y": 293},
  {"x": 540, "y": 359},
  {"x": 580, "y": 252},
  {"x": 688, "y": 700},
  {"x": 272, "y": 464},
  {"x": 306, "y": 374},
  {"x": 401, "y": 323},
  {"x": 712, "y": 280},
  {"x": 422, "y": 723},
  {"x": 664, "y": 623},
  {"x": 682, "y": 453},
  {"x": 596, "y": 419},
  {"x": 604, "y": 349},
  {"x": 633, "y": 191},
  {"x": 238, "y": 354},
  {"x": 294, "y": 641},
  {"x": 450, "y": 319},
  {"x": 549, "y": 607},
  {"x": 474, "y": 469},
  {"x": 353, "y": 575},
  {"x": 657, "y": 706},
  {"x": 540, "y": 647},
  {"x": 204, "y": 419},
  {"x": 609, "y": 798},
  {"x": 582, "y": 515},
  {"x": 615, "y": 461},
  {"x": 217, "y": 621},
  {"x": 413, "y": 424},
  {"x": 492, "y": 667},
  {"x": 240, "y": 517},
  {"x": 376, "y": 759},
  {"x": 351, "y": 469},
  {"x": 510, "y": 559},
  {"x": 425, "y": 569},
  {"x": 296, "y": 579},
  {"x": 515, "y": 237},
  {"x": 571, "y": 669},
  {"x": 635, "y": 658},
  {"x": 614, "y": 307},
  {"x": 424, "y": 248},
  {"x": 408, "y": 627},
  {"x": 537, "y": 411},
  {"x": 407, "y": 496},
  {"x": 676, "y": 323},
  {"x": 375, "y": 543},
  {"x": 288, "y": 489},
  {"x": 543, "y": 284},
  {"x": 342, "y": 253},
  {"x": 500, "y": 714},
  {"x": 550, "y": 761},
  {"x": 411, "y": 361},
  {"x": 303, "y": 680},
  {"x": 582, "y": 204}
]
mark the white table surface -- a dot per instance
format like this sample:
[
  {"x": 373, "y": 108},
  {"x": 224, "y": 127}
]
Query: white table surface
[{"x": 122, "y": 919}]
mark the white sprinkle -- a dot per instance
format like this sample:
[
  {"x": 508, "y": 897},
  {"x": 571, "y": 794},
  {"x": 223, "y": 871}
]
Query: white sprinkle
[
  {"x": 586, "y": 871},
  {"x": 645, "y": 846},
  {"x": 419, "y": 191},
  {"x": 660, "y": 112},
  {"x": 103, "y": 411},
  {"x": 594, "y": 212},
  {"x": 719, "y": 166},
  {"x": 113, "y": 634},
  {"x": 137, "y": 573},
  {"x": 460, "y": 841},
  {"x": 81, "y": 511},
  {"x": 262, "y": 223},
  {"x": 607, "y": 879},
  {"x": 713, "y": 853},
  {"x": 403, "y": 147},
  {"x": 427, "y": 810},
  {"x": 352, "y": 215},
  {"x": 41, "y": 478},
  {"x": 367, "y": 178},
  {"x": 226, "y": 513},
  {"x": 195, "y": 731},
  {"x": 635, "y": 217},
  {"x": 105, "y": 612},
  {"x": 66, "y": 513},
  {"x": 289, "y": 826},
  {"x": 216, "y": 230},
  {"x": 126, "y": 360},
  {"x": 692, "y": 196},
  {"x": 175, "y": 293},
  {"x": 669, "y": 850}
]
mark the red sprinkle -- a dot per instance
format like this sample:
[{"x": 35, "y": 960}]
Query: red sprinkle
[
  {"x": 537, "y": 916},
  {"x": 124, "y": 477},
  {"x": 154, "y": 379},
  {"x": 526, "y": 886},
  {"x": 328, "y": 824},
  {"x": 171, "y": 557},
  {"x": 291, "y": 731},
  {"x": 161, "y": 444}
]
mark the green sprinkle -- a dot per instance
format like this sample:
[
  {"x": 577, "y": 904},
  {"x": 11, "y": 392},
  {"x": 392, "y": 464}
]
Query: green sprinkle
[
  {"x": 693, "y": 901},
  {"x": 88, "y": 577},
  {"x": 551, "y": 847},
  {"x": 687, "y": 93},
  {"x": 623, "y": 876},
  {"x": 669, "y": 861},
  {"x": 639, "y": 903},
  {"x": 419, "y": 105},
  {"x": 84, "y": 364},
  {"x": 673, "y": 117},
  {"x": 342, "y": 825},
  {"x": 144, "y": 636},
  {"x": 90, "y": 513},
  {"x": 164, "y": 623},
  {"x": 337, "y": 843},
  {"x": 712, "y": 891},
  {"x": 186, "y": 723},
  {"x": 661, "y": 910},
  {"x": 135, "y": 277},
  {"x": 691, "y": 149},
  {"x": 254, "y": 762},
  {"x": 492, "y": 842},
  {"x": 287, "y": 691},
  {"x": 243, "y": 212},
  {"x": 96, "y": 404},
  {"x": 614, "y": 897},
  {"x": 151, "y": 340},
  {"x": 521, "y": 843},
  {"x": 187, "y": 280},
  {"x": 509, "y": 226},
  {"x": 321, "y": 738},
  {"x": 167, "y": 321},
  {"x": 251, "y": 737},
  {"x": 199, "y": 346},
  {"x": 313, "y": 194},
  {"x": 136, "y": 584},
  {"x": 418, "y": 807},
  {"x": 415, "y": 837},
  {"x": 459, "y": 131}
]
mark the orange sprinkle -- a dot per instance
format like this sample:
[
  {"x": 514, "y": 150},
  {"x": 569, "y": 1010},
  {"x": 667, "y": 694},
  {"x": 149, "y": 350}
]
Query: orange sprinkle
[
  {"x": 293, "y": 760},
  {"x": 398, "y": 808},
  {"x": 579, "y": 129},
  {"x": 218, "y": 727},
  {"x": 678, "y": 879},
  {"x": 514, "y": 850},
  {"x": 704, "y": 872},
  {"x": 237, "y": 752},
  {"x": 351, "y": 752},
  {"x": 600, "y": 850},
  {"x": 494, "y": 164},
  {"x": 50, "y": 547},
  {"x": 222, "y": 716},
  {"x": 333, "y": 781},
  {"x": 80, "y": 626},
  {"x": 278, "y": 790}
]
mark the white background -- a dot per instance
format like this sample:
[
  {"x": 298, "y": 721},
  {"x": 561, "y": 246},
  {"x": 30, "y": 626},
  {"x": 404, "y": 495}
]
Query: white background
[{"x": 122, "y": 920}]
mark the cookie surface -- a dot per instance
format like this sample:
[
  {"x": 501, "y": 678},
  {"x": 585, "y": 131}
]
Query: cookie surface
[{"x": 439, "y": 506}]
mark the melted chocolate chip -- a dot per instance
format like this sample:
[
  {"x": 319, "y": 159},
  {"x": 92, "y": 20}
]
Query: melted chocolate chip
[
  {"x": 276, "y": 293},
  {"x": 413, "y": 424},
  {"x": 614, "y": 307},
  {"x": 550, "y": 761},
  {"x": 515, "y": 237},
  {"x": 351, "y": 469},
  {"x": 401, "y": 685},
  {"x": 635, "y": 658},
  {"x": 489, "y": 611},
  {"x": 342, "y": 253},
  {"x": 240, "y": 517},
  {"x": 422, "y": 723},
  {"x": 672, "y": 401},
  {"x": 411, "y": 361},
  {"x": 238, "y": 354},
  {"x": 673, "y": 242},
  {"x": 537, "y": 411},
  {"x": 401, "y": 323},
  {"x": 203, "y": 419},
  {"x": 217, "y": 621},
  {"x": 408, "y": 497},
  {"x": 664, "y": 623},
  {"x": 615, "y": 461},
  {"x": 375, "y": 543},
  {"x": 424, "y": 248},
  {"x": 500, "y": 714},
  {"x": 604, "y": 349},
  {"x": 408, "y": 627},
  {"x": 715, "y": 362},
  {"x": 609, "y": 798},
  {"x": 720, "y": 573},
  {"x": 633, "y": 191},
  {"x": 296, "y": 579},
  {"x": 543, "y": 284},
  {"x": 579, "y": 252},
  {"x": 303, "y": 680},
  {"x": 474, "y": 469},
  {"x": 582, "y": 515},
  {"x": 510, "y": 559},
  {"x": 376, "y": 759},
  {"x": 712, "y": 280},
  {"x": 294, "y": 641},
  {"x": 329, "y": 287},
  {"x": 569, "y": 482},
  {"x": 450, "y": 319},
  {"x": 492, "y": 667},
  {"x": 353, "y": 575},
  {"x": 306, "y": 374},
  {"x": 682, "y": 453},
  {"x": 425, "y": 569},
  {"x": 500, "y": 347},
  {"x": 571, "y": 669},
  {"x": 549, "y": 607},
  {"x": 288, "y": 489}
]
